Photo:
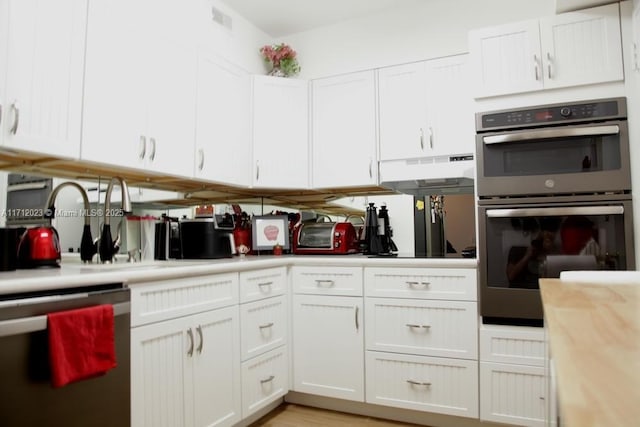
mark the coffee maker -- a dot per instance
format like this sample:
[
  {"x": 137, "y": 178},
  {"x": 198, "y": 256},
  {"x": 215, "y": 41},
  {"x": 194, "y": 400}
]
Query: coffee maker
[{"x": 377, "y": 235}]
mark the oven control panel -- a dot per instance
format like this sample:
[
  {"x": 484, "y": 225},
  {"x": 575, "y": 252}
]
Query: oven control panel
[{"x": 551, "y": 114}]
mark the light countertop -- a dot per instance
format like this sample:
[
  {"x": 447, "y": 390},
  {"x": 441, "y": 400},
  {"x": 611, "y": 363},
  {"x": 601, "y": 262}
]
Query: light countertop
[
  {"x": 74, "y": 274},
  {"x": 594, "y": 335}
]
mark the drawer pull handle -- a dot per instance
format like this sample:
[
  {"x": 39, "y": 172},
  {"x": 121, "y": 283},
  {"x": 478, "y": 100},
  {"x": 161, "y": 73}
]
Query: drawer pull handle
[
  {"x": 326, "y": 282},
  {"x": 357, "y": 322},
  {"x": 419, "y": 383},
  {"x": 415, "y": 283},
  {"x": 190, "y": 334},
  {"x": 268, "y": 379},
  {"x": 199, "y": 330},
  {"x": 265, "y": 326},
  {"x": 265, "y": 284},
  {"x": 414, "y": 325}
]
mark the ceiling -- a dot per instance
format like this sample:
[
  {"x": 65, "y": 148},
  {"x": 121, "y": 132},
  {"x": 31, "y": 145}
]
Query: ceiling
[{"x": 280, "y": 18}]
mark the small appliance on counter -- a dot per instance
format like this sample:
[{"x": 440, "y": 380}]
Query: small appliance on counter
[
  {"x": 328, "y": 238},
  {"x": 207, "y": 238},
  {"x": 376, "y": 238},
  {"x": 39, "y": 247},
  {"x": 167, "y": 239}
]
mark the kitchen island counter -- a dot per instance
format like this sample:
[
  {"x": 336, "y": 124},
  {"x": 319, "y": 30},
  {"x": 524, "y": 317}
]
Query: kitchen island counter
[
  {"x": 74, "y": 274},
  {"x": 594, "y": 334}
]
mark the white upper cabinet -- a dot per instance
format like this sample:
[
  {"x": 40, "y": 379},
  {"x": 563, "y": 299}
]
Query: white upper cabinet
[
  {"x": 426, "y": 109},
  {"x": 42, "y": 53},
  {"x": 139, "y": 104},
  {"x": 571, "y": 49},
  {"x": 223, "y": 131},
  {"x": 636, "y": 38},
  {"x": 344, "y": 131},
  {"x": 280, "y": 132}
]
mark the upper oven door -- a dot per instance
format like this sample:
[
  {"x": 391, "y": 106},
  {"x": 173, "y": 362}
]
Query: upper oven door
[{"x": 576, "y": 159}]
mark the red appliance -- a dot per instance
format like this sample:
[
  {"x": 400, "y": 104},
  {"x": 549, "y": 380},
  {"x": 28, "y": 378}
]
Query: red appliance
[
  {"x": 39, "y": 247},
  {"x": 325, "y": 238}
]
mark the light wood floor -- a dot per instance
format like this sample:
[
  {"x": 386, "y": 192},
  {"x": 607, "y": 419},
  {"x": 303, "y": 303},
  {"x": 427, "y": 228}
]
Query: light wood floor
[{"x": 290, "y": 415}]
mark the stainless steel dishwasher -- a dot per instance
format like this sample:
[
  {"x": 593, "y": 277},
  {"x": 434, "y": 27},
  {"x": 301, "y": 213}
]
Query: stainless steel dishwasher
[{"x": 26, "y": 395}]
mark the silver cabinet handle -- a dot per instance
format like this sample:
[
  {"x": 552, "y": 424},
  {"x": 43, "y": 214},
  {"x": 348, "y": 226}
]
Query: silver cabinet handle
[
  {"x": 357, "y": 321},
  {"x": 430, "y": 137},
  {"x": 413, "y": 284},
  {"x": 16, "y": 117},
  {"x": 327, "y": 282},
  {"x": 152, "y": 155},
  {"x": 0, "y": 114},
  {"x": 190, "y": 335},
  {"x": 142, "y": 147},
  {"x": 267, "y": 380},
  {"x": 199, "y": 330},
  {"x": 549, "y": 64},
  {"x": 419, "y": 383},
  {"x": 421, "y": 139},
  {"x": 266, "y": 325},
  {"x": 636, "y": 62},
  {"x": 416, "y": 326},
  {"x": 257, "y": 170},
  {"x": 535, "y": 67},
  {"x": 370, "y": 168},
  {"x": 263, "y": 284},
  {"x": 200, "y": 159}
]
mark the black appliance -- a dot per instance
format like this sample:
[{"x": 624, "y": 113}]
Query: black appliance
[
  {"x": 376, "y": 238},
  {"x": 554, "y": 194},
  {"x": 207, "y": 238},
  {"x": 167, "y": 240},
  {"x": 29, "y": 399}
]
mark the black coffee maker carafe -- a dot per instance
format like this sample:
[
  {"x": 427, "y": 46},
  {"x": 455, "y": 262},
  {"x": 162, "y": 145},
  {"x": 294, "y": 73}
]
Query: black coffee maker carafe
[
  {"x": 388, "y": 247},
  {"x": 377, "y": 233}
]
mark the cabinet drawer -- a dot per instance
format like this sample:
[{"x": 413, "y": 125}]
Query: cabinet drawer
[
  {"x": 522, "y": 345},
  {"x": 259, "y": 284},
  {"x": 513, "y": 394},
  {"x": 446, "y": 386},
  {"x": 424, "y": 327},
  {"x": 264, "y": 379},
  {"x": 429, "y": 283},
  {"x": 346, "y": 281},
  {"x": 157, "y": 301},
  {"x": 264, "y": 326}
]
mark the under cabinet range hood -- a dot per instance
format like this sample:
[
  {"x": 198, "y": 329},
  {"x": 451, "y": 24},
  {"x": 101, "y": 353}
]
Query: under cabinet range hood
[{"x": 430, "y": 175}]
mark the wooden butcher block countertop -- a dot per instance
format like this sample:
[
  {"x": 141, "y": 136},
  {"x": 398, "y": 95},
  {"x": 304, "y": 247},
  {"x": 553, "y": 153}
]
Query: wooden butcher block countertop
[{"x": 594, "y": 334}]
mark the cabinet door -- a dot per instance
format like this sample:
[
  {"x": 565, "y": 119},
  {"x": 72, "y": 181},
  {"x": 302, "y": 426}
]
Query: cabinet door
[
  {"x": 158, "y": 374},
  {"x": 215, "y": 381},
  {"x": 512, "y": 394},
  {"x": 328, "y": 346},
  {"x": 223, "y": 133},
  {"x": 280, "y": 133},
  {"x": 44, "y": 80},
  {"x": 451, "y": 128},
  {"x": 4, "y": 38},
  {"x": 636, "y": 38},
  {"x": 170, "y": 79},
  {"x": 264, "y": 326},
  {"x": 344, "y": 131},
  {"x": 506, "y": 59},
  {"x": 114, "y": 113},
  {"x": 403, "y": 116},
  {"x": 582, "y": 47}
]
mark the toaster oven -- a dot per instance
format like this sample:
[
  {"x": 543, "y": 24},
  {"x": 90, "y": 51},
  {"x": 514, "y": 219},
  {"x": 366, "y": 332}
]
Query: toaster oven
[{"x": 333, "y": 238}]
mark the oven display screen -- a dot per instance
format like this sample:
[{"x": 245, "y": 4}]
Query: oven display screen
[{"x": 544, "y": 115}]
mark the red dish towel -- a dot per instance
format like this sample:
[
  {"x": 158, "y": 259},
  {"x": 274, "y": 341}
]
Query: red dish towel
[{"x": 81, "y": 344}]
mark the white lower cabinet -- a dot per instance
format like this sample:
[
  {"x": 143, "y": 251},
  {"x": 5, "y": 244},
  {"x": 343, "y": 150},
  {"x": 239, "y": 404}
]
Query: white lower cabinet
[
  {"x": 513, "y": 382},
  {"x": 433, "y": 384},
  {"x": 328, "y": 346},
  {"x": 186, "y": 371},
  {"x": 264, "y": 326},
  {"x": 265, "y": 378}
]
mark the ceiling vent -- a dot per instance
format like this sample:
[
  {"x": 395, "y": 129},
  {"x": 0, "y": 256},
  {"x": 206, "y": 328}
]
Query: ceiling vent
[{"x": 221, "y": 19}]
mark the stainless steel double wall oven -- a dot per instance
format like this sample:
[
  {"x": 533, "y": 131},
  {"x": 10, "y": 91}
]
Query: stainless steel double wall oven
[{"x": 554, "y": 194}]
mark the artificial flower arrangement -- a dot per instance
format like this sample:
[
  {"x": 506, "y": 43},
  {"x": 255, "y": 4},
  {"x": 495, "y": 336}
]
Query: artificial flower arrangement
[{"x": 282, "y": 59}]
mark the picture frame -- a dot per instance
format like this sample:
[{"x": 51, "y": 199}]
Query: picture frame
[{"x": 269, "y": 230}]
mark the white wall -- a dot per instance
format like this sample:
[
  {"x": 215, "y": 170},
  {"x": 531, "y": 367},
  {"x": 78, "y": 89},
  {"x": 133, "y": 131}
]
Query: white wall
[{"x": 431, "y": 29}]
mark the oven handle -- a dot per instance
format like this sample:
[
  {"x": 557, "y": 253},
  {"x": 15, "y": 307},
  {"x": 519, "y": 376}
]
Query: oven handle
[
  {"x": 560, "y": 211},
  {"x": 553, "y": 133},
  {"x": 39, "y": 323}
]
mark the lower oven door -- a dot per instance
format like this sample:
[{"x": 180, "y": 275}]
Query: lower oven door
[
  {"x": 520, "y": 243},
  {"x": 28, "y": 398}
]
